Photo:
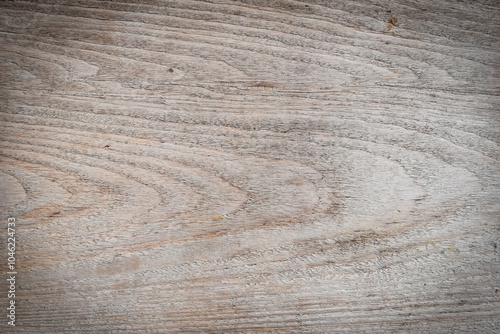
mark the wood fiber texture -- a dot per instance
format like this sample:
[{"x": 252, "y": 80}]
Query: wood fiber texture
[{"x": 251, "y": 166}]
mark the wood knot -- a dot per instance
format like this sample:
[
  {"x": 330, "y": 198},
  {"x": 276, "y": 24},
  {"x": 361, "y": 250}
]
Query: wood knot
[{"x": 391, "y": 22}]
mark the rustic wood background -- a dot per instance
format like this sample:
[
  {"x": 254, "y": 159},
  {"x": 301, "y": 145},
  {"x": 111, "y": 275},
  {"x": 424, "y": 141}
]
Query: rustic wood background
[{"x": 251, "y": 166}]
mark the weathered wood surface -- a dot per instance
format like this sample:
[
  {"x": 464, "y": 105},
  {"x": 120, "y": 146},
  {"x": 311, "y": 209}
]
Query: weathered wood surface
[{"x": 350, "y": 147}]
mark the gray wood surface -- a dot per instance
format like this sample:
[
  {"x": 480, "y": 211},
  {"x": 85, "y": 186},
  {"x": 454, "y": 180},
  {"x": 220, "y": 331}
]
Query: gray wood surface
[{"x": 251, "y": 166}]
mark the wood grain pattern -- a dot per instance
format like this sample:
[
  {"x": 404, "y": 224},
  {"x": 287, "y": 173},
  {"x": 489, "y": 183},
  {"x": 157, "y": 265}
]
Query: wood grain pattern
[{"x": 252, "y": 166}]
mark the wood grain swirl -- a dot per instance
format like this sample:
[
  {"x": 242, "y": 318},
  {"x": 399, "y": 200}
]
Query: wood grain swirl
[{"x": 252, "y": 166}]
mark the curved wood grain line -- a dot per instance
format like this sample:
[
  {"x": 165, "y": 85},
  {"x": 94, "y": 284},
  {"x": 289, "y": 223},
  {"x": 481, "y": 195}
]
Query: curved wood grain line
[{"x": 252, "y": 166}]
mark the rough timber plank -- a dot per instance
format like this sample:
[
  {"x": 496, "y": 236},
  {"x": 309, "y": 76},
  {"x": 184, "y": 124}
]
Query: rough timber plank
[{"x": 251, "y": 166}]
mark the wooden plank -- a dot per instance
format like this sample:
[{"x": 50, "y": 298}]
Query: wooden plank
[{"x": 251, "y": 166}]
